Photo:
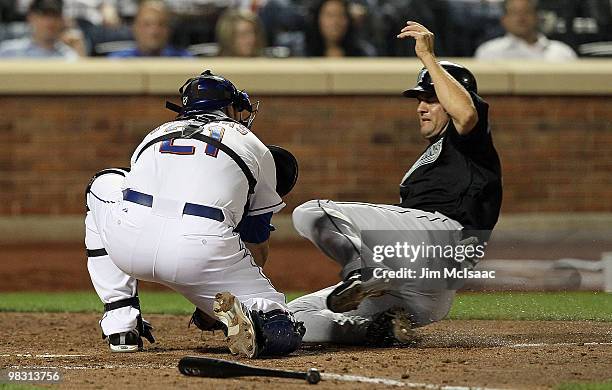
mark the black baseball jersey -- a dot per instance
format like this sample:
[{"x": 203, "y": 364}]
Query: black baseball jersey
[{"x": 458, "y": 175}]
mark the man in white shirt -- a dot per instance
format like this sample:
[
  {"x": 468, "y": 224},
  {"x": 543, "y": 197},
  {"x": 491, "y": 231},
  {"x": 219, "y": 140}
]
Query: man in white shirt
[{"x": 523, "y": 40}]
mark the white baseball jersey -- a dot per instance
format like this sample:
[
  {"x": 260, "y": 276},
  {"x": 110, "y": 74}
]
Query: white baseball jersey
[
  {"x": 191, "y": 171},
  {"x": 196, "y": 256}
]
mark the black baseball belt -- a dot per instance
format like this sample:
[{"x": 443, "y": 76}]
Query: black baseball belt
[{"x": 196, "y": 210}]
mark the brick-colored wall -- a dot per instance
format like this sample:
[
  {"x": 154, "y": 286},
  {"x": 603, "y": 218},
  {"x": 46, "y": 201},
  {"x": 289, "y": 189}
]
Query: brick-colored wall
[{"x": 556, "y": 152}]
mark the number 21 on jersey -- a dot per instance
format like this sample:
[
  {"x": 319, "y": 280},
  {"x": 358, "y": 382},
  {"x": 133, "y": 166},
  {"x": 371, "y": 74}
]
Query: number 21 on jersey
[{"x": 216, "y": 132}]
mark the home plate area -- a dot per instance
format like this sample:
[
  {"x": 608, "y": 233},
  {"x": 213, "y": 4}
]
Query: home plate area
[{"x": 449, "y": 354}]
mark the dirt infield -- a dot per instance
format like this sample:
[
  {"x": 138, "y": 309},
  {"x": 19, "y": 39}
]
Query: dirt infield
[{"x": 501, "y": 354}]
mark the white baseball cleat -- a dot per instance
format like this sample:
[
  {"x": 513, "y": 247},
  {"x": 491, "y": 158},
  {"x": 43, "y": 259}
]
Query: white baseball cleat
[{"x": 241, "y": 336}]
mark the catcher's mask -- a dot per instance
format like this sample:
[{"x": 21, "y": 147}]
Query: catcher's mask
[
  {"x": 458, "y": 72},
  {"x": 208, "y": 92}
]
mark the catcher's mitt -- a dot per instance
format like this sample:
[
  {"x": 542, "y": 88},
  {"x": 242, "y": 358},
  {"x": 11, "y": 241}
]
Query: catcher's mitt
[{"x": 286, "y": 169}]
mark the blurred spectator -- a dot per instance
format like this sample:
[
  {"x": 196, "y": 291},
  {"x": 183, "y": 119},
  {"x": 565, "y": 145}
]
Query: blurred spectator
[
  {"x": 100, "y": 20},
  {"x": 330, "y": 32},
  {"x": 151, "y": 31},
  {"x": 47, "y": 30},
  {"x": 522, "y": 39},
  {"x": 240, "y": 34}
]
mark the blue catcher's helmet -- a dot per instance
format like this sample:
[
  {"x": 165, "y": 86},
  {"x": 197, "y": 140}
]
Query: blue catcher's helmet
[{"x": 208, "y": 92}]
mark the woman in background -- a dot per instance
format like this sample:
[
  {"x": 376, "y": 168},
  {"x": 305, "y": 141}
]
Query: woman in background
[
  {"x": 240, "y": 33},
  {"x": 330, "y": 32}
]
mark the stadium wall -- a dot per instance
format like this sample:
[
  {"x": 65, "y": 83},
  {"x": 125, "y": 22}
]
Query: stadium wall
[{"x": 345, "y": 121}]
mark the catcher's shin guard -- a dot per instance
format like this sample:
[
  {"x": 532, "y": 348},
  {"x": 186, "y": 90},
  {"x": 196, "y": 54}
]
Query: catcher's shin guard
[
  {"x": 277, "y": 332},
  {"x": 143, "y": 327},
  {"x": 257, "y": 334}
]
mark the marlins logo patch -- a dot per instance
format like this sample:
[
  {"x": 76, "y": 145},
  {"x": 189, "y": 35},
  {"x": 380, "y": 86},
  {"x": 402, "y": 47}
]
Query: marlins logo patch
[{"x": 430, "y": 155}]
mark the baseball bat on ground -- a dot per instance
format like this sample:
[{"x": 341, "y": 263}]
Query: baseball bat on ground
[{"x": 218, "y": 368}]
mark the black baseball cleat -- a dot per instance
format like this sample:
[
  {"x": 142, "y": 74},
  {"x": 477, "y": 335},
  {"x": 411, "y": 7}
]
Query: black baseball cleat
[
  {"x": 125, "y": 342},
  {"x": 353, "y": 290},
  {"x": 390, "y": 327}
]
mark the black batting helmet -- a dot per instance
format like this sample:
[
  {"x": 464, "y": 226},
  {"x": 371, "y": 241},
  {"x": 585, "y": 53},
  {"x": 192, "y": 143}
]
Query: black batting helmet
[{"x": 459, "y": 73}]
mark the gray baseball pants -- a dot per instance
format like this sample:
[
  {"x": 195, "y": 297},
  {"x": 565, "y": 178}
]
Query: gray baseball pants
[{"x": 336, "y": 229}]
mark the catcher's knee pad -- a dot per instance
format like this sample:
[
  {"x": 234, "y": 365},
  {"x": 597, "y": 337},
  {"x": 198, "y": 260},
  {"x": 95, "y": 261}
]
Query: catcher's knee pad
[
  {"x": 100, "y": 186},
  {"x": 277, "y": 332}
]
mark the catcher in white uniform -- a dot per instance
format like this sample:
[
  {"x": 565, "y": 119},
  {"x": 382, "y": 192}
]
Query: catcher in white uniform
[{"x": 193, "y": 213}]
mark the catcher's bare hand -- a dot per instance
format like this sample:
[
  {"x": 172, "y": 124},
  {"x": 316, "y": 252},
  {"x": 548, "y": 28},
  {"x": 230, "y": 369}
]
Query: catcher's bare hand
[{"x": 423, "y": 37}]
